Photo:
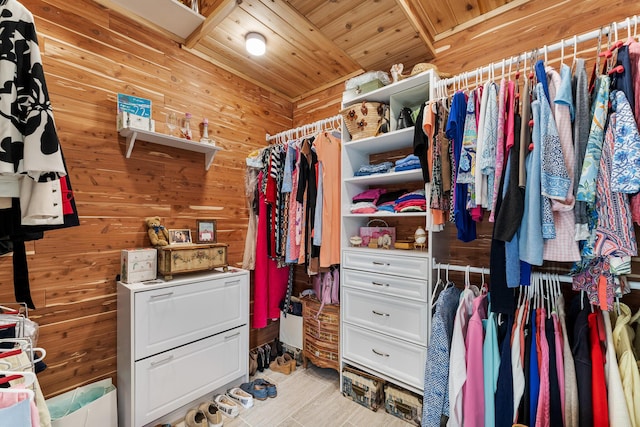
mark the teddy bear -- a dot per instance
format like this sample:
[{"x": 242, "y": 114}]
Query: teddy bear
[{"x": 158, "y": 235}]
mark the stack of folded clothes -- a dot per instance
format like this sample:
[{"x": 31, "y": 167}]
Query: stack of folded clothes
[
  {"x": 365, "y": 202},
  {"x": 408, "y": 163},
  {"x": 387, "y": 200},
  {"x": 366, "y": 170},
  {"x": 411, "y": 202}
]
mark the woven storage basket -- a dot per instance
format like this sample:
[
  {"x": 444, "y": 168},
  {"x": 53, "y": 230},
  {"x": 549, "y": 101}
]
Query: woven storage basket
[{"x": 363, "y": 119}]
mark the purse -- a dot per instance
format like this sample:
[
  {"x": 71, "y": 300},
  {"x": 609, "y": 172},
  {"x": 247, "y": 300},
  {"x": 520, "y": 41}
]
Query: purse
[
  {"x": 385, "y": 122},
  {"x": 404, "y": 119}
]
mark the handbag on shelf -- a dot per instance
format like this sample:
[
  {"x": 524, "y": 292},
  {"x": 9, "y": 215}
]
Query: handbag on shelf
[{"x": 404, "y": 119}]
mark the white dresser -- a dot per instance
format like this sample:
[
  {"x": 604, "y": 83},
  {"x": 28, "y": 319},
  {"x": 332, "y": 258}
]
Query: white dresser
[
  {"x": 178, "y": 341},
  {"x": 385, "y": 317}
]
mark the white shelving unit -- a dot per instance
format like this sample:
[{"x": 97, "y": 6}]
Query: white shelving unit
[
  {"x": 170, "y": 15},
  {"x": 133, "y": 135},
  {"x": 384, "y": 320}
]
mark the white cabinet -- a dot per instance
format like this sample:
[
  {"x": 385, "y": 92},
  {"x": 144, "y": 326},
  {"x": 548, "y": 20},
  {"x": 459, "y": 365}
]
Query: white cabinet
[
  {"x": 178, "y": 341},
  {"x": 385, "y": 315}
]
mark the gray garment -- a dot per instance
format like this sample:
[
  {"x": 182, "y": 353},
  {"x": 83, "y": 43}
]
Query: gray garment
[{"x": 581, "y": 127}]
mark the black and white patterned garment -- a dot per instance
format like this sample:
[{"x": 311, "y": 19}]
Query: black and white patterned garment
[{"x": 29, "y": 143}]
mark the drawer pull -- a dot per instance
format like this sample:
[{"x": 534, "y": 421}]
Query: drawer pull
[
  {"x": 377, "y": 313},
  {"x": 379, "y": 284},
  {"x": 381, "y": 263},
  {"x": 167, "y": 294},
  {"x": 160, "y": 362},
  {"x": 232, "y": 335},
  {"x": 232, "y": 282},
  {"x": 379, "y": 354}
]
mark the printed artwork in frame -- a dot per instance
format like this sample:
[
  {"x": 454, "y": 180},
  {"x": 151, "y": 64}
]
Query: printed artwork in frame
[
  {"x": 206, "y": 231},
  {"x": 179, "y": 237}
]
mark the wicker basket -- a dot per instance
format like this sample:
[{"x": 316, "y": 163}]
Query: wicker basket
[
  {"x": 322, "y": 334},
  {"x": 363, "y": 119}
]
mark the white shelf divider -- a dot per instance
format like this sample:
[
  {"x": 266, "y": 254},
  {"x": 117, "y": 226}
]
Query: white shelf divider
[{"x": 132, "y": 134}]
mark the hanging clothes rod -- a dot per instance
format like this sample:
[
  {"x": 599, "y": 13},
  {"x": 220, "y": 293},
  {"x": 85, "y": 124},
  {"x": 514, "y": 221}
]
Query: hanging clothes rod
[
  {"x": 568, "y": 42},
  {"x": 307, "y": 129},
  {"x": 564, "y": 278}
]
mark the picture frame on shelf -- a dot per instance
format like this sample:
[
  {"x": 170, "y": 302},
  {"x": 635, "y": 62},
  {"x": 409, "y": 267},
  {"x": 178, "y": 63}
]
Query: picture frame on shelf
[
  {"x": 206, "y": 231},
  {"x": 180, "y": 236}
]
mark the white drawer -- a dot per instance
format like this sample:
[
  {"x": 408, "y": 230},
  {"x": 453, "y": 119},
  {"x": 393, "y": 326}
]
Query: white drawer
[
  {"x": 399, "y": 265},
  {"x": 166, "y": 381},
  {"x": 173, "y": 316},
  {"x": 394, "y": 316},
  {"x": 396, "y": 358},
  {"x": 386, "y": 284}
]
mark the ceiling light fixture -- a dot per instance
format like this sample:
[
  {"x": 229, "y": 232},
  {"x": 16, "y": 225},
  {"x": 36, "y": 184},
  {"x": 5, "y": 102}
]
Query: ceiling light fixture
[{"x": 255, "y": 44}]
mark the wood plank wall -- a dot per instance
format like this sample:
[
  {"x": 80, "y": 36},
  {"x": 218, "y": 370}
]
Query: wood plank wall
[
  {"x": 90, "y": 54},
  {"x": 529, "y": 26}
]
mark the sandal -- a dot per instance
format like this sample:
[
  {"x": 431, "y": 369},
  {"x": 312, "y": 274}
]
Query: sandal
[
  {"x": 258, "y": 391},
  {"x": 241, "y": 396},
  {"x": 226, "y": 405}
]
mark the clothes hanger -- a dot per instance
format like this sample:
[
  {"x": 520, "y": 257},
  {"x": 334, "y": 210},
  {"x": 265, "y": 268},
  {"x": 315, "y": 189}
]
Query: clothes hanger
[
  {"x": 467, "y": 279},
  {"x": 29, "y": 377},
  {"x": 439, "y": 282},
  {"x": 30, "y": 394},
  {"x": 575, "y": 51}
]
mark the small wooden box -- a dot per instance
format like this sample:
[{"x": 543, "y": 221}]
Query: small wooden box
[
  {"x": 175, "y": 259},
  {"x": 362, "y": 388},
  {"x": 403, "y": 404}
]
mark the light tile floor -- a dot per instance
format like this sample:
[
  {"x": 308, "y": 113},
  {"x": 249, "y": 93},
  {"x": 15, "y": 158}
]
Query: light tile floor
[{"x": 309, "y": 398}]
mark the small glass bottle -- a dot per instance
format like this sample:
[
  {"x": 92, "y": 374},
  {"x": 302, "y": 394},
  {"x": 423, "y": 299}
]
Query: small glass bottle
[{"x": 186, "y": 126}]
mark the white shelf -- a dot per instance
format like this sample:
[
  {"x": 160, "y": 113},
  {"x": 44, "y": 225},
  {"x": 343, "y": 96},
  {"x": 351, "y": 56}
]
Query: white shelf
[
  {"x": 384, "y": 93},
  {"x": 384, "y": 142},
  {"x": 170, "y": 15},
  {"x": 387, "y": 178},
  {"x": 170, "y": 141}
]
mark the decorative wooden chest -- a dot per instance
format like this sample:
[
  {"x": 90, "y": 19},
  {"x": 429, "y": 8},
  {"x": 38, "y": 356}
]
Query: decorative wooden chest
[
  {"x": 176, "y": 259},
  {"x": 321, "y": 334}
]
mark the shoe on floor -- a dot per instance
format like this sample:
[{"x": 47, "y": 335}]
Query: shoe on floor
[
  {"x": 272, "y": 391},
  {"x": 253, "y": 362},
  {"x": 226, "y": 405},
  {"x": 196, "y": 418},
  {"x": 241, "y": 396},
  {"x": 289, "y": 359},
  {"x": 258, "y": 391},
  {"x": 280, "y": 365},
  {"x": 261, "y": 360},
  {"x": 211, "y": 411}
]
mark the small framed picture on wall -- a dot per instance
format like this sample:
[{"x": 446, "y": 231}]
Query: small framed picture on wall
[
  {"x": 177, "y": 237},
  {"x": 206, "y": 231}
]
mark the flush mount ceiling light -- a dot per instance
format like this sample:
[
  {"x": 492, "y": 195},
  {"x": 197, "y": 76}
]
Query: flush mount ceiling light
[{"x": 255, "y": 44}]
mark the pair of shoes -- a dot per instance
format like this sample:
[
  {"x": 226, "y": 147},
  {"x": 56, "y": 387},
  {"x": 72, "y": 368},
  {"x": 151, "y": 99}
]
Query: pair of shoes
[
  {"x": 290, "y": 359},
  {"x": 241, "y": 396},
  {"x": 267, "y": 355},
  {"x": 226, "y": 405},
  {"x": 258, "y": 391},
  {"x": 206, "y": 415},
  {"x": 278, "y": 346},
  {"x": 272, "y": 391},
  {"x": 253, "y": 362},
  {"x": 281, "y": 365}
]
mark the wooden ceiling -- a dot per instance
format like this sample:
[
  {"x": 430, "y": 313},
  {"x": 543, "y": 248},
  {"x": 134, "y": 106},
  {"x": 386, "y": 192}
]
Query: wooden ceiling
[{"x": 311, "y": 44}]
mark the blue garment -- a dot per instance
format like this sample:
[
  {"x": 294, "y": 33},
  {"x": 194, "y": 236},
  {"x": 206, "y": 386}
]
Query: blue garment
[
  {"x": 623, "y": 81},
  {"x": 411, "y": 158},
  {"x": 18, "y": 415},
  {"x": 455, "y": 129},
  {"x": 564, "y": 95},
  {"x": 491, "y": 364},
  {"x": 534, "y": 374},
  {"x": 289, "y": 164},
  {"x": 317, "y": 218},
  {"x": 531, "y": 242},
  {"x": 366, "y": 170},
  {"x": 541, "y": 75},
  {"x": 408, "y": 167},
  {"x": 436, "y": 373},
  {"x": 487, "y": 157},
  {"x": 625, "y": 167}
]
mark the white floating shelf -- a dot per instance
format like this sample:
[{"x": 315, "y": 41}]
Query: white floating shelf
[
  {"x": 387, "y": 178},
  {"x": 170, "y": 141},
  {"x": 384, "y": 142}
]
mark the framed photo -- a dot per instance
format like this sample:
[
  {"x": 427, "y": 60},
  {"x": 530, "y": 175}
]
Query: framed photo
[
  {"x": 206, "y": 231},
  {"x": 178, "y": 237}
]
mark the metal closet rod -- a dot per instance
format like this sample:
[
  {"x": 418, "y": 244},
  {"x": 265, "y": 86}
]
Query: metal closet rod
[
  {"x": 307, "y": 129},
  {"x": 572, "y": 41},
  {"x": 482, "y": 270}
]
